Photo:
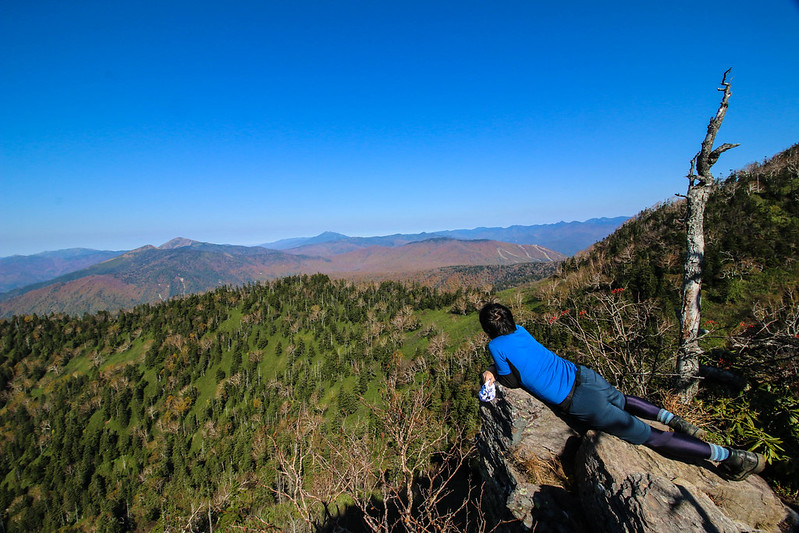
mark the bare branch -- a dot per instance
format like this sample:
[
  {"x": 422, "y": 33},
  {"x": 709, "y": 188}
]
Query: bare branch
[
  {"x": 703, "y": 158},
  {"x": 714, "y": 155},
  {"x": 723, "y": 376}
]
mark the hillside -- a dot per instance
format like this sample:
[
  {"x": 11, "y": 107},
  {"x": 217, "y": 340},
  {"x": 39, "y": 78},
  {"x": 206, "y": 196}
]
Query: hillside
[
  {"x": 149, "y": 275},
  {"x": 614, "y": 308},
  {"x": 139, "y": 420},
  {"x": 565, "y": 237},
  {"x": 182, "y": 267},
  {"x": 437, "y": 253},
  {"x": 19, "y": 271},
  {"x": 751, "y": 253}
]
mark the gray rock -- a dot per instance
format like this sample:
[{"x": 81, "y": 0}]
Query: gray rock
[
  {"x": 633, "y": 489},
  {"x": 527, "y": 458},
  {"x": 542, "y": 475}
]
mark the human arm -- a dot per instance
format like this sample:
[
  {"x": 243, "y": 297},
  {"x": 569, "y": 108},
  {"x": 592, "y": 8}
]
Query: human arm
[{"x": 510, "y": 381}]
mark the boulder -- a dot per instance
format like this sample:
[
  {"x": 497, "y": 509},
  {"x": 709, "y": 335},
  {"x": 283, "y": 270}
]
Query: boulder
[
  {"x": 632, "y": 488},
  {"x": 527, "y": 457},
  {"x": 543, "y": 473}
]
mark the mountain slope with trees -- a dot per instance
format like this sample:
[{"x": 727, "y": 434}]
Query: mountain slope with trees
[
  {"x": 616, "y": 306},
  {"x": 174, "y": 415},
  {"x": 19, "y": 271}
]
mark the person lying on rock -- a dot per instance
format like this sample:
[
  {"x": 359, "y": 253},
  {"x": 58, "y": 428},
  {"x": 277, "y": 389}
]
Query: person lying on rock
[{"x": 581, "y": 393}]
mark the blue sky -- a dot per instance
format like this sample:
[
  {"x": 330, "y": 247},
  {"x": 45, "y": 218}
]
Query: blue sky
[{"x": 130, "y": 123}]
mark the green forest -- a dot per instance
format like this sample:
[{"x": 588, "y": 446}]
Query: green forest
[
  {"x": 308, "y": 403},
  {"x": 136, "y": 421}
]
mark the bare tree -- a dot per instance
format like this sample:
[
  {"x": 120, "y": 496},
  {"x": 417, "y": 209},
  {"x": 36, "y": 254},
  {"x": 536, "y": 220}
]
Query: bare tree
[
  {"x": 769, "y": 348},
  {"x": 307, "y": 475},
  {"x": 400, "y": 475},
  {"x": 619, "y": 337},
  {"x": 700, "y": 185}
]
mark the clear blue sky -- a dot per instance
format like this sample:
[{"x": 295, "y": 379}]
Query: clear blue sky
[{"x": 129, "y": 123}]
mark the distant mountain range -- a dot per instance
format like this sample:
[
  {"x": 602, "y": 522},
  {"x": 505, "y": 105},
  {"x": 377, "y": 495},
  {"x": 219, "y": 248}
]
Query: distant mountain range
[
  {"x": 182, "y": 267},
  {"x": 567, "y": 238},
  {"x": 21, "y": 270},
  {"x": 79, "y": 280}
]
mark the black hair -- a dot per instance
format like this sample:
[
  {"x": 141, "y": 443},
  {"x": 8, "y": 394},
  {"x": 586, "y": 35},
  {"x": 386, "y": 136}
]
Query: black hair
[{"x": 496, "y": 320}]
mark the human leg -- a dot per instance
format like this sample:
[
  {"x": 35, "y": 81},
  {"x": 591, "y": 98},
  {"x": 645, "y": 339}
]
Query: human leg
[
  {"x": 734, "y": 464},
  {"x": 603, "y": 407},
  {"x": 684, "y": 446},
  {"x": 634, "y": 405},
  {"x": 640, "y": 407},
  {"x": 600, "y": 405},
  {"x": 645, "y": 409}
]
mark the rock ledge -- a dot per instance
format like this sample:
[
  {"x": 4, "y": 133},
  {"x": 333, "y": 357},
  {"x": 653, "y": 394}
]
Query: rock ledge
[{"x": 542, "y": 474}]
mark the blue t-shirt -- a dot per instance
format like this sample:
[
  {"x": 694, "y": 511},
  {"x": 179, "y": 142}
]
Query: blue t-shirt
[{"x": 548, "y": 377}]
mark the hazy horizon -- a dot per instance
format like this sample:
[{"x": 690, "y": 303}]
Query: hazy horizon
[{"x": 262, "y": 243}]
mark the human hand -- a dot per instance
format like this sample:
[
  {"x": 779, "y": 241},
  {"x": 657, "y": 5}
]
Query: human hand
[
  {"x": 488, "y": 377},
  {"x": 487, "y": 392}
]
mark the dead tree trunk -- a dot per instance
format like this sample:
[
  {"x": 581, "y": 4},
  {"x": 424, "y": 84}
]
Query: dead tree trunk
[{"x": 700, "y": 184}]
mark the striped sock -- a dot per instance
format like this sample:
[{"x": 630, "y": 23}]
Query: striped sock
[
  {"x": 718, "y": 453},
  {"x": 664, "y": 417}
]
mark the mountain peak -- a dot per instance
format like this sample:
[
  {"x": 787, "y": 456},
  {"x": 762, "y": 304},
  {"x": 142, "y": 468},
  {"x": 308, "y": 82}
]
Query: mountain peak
[
  {"x": 177, "y": 242},
  {"x": 286, "y": 244},
  {"x": 329, "y": 235}
]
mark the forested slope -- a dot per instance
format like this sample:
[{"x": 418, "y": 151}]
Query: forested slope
[
  {"x": 615, "y": 307},
  {"x": 138, "y": 421}
]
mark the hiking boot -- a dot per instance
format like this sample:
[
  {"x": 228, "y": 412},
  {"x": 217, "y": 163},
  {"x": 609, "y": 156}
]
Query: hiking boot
[
  {"x": 681, "y": 425},
  {"x": 741, "y": 464}
]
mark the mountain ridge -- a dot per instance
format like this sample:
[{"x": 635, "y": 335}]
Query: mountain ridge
[
  {"x": 565, "y": 237},
  {"x": 18, "y": 271},
  {"x": 150, "y": 274}
]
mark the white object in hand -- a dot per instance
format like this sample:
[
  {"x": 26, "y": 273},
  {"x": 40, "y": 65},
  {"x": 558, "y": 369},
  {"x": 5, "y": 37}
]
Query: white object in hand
[{"x": 487, "y": 392}]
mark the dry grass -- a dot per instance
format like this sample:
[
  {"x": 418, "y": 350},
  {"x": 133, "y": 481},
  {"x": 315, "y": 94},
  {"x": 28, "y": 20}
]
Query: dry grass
[
  {"x": 692, "y": 412},
  {"x": 544, "y": 471}
]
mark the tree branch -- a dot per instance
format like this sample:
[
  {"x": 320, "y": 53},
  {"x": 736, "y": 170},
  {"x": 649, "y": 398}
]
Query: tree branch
[
  {"x": 723, "y": 376},
  {"x": 714, "y": 155},
  {"x": 703, "y": 158}
]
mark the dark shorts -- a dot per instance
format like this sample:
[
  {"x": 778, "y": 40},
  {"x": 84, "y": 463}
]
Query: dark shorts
[{"x": 600, "y": 405}]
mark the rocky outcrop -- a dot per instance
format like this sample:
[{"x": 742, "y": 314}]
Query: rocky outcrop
[{"x": 546, "y": 475}]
